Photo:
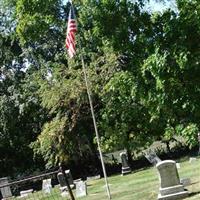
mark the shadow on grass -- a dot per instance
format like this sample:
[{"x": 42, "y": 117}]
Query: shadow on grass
[
  {"x": 193, "y": 193},
  {"x": 196, "y": 182}
]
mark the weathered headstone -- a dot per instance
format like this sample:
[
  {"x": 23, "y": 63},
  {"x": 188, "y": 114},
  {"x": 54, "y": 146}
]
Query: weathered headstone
[
  {"x": 61, "y": 179},
  {"x": 5, "y": 191},
  {"x": 63, "y": 184},
  {"x": 125, "y": 166},
  {"x": 170, "y": 186},
  {"x": 93, "y": 177},
  {"x": 25, "y": 193},
  {"x": 69, "y": 177},
  {"x": 192, "y": 159},
  {"x": 81, "y": 189},
  {"x": 46, "y": 186},
  {"x": 185, "y": 181},
  {"x": 77, "y": 180},
  {"x": 152, "y": 157}
]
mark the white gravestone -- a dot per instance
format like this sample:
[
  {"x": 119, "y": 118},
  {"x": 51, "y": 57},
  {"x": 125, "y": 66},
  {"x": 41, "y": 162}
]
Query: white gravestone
[
  {"x": 192, "y": 159},
  {"x": 170, "y": 186},
  {"x": 5, "y": 191},
  {"x": 178, "y": 165},
  {"x": 46, "y": 186},
  {"x": 125, "y": 166},
  {"x": 25, "y": 193},
  {"x": 77, "y": 180},
  {"x": 81, "y": 189},
  {"x": 93, "y": 177}
]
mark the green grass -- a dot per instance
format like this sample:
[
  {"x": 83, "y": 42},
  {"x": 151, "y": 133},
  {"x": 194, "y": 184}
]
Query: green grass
[
  {"x": 140, "y": 185},
  {"x": 143, "y": 185}
]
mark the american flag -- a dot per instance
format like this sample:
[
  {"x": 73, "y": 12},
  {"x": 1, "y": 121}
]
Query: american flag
[{"x": 71, "y": 30}]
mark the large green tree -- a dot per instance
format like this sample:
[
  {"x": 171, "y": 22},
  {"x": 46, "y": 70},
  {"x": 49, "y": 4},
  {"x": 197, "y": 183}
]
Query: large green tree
[
  {"x": 21, "y": 115},
  {"x": 143, "y": 69},
  {"x": 171, "y": 73}
]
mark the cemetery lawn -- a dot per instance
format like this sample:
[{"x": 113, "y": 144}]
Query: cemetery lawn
[
  {"x": 140, "y": 185},
  {"x": 144, "y": 184}
]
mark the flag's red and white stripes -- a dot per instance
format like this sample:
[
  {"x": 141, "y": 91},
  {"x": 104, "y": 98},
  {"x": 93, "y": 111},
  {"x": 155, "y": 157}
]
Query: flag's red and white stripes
[{"x": 71, "y": 30}]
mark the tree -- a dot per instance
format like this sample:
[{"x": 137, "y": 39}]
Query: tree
[
  {"x": 170, "y": 73},
  {"x": 21, "y": 114},
  {"x": 68, "y": 108},
  {"x": 139, "y": 65}
]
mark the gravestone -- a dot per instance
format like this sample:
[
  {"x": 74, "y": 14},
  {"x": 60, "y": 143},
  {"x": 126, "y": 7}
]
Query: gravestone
[
  {"x": 170, "y": 186},
  {"x": 81, "y": 189},
  {"x": 46, "y": 186},
  {"x": 93, "y": 177},
  {"x": 61, "y": 179},
  {"x": 178, "y": 165},
  {"x": 185, "y": 181},
  {"x": 69, "y": 177},
  {"x": 192, "y": 159},
  {"x": 25, "y": 193},
  {"x": 5, "y": 191},
  {"x": 63, "y": 184},
  {"x": 77, "y": 180},
  {"x": 152, "y": 157},
  {"x": 125, "y": 166},
  {"x": 64, "y": 194}
]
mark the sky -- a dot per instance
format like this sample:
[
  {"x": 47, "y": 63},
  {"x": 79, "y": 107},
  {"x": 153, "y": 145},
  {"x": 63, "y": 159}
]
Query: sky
[
  {"x": 153, "y": 5},
  {"x": 160, "y": 6}
]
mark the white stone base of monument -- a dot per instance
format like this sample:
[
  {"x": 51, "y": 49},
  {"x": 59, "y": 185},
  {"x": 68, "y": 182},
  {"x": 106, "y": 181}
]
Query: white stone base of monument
[
  {"x": 175, "y": 196},
  {"x": 126, "y": 170},
  {"x": 172, "y": 193}
]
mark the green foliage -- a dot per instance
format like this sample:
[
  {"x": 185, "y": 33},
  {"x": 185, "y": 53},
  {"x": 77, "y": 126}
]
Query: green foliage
[
  {"x": 51, "y": 143},
  {"x": 143, "y": 70},
  {"x": 190, "y": 134},
  {"x": 123, "y": 117},
  {"x": 63, "y": 93},
  {"x": 35, "y": 18}
]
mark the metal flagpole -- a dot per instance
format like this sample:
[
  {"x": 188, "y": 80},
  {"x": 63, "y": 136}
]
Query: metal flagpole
[
  {"x": 94, "y": 121},
  {"x": 95, "y": 127}
]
